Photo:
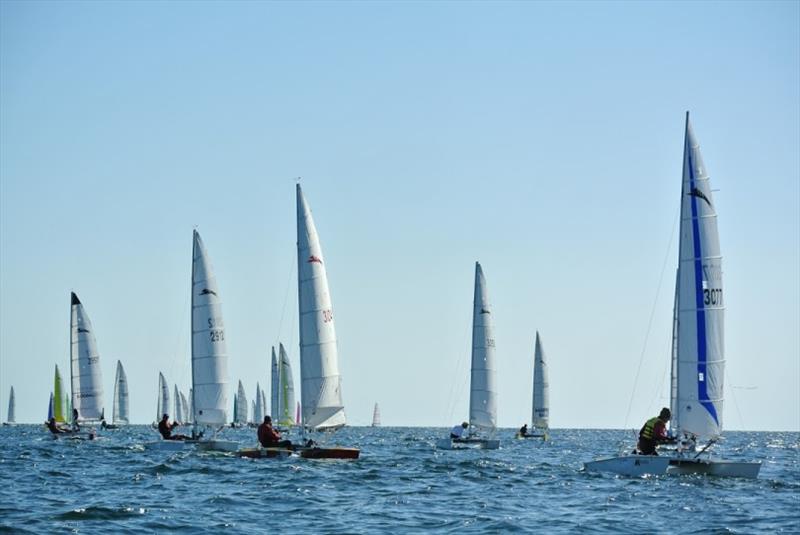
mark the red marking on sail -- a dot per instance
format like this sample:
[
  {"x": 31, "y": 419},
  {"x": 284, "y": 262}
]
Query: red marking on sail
[{"x": 313, "y": 258}]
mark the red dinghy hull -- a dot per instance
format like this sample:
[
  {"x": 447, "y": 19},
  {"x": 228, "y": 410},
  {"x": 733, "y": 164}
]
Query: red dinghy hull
[{"x": 261, "y": 453}]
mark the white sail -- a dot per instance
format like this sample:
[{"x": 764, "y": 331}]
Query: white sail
[
  {"x": 264, "y": 401},
  {"x": 121, "y": 409},
  {"x": 258, "y": 410},
  {"x": 87, "y": 379},
  {"x": 541, "y": 388},
  {"x": 241, "y": 405},
  {"x": 191, "y": 405},
  {"x": 285, "y": 389},
  {"x": 483, "y": 383},
  {"x": 274, "y": 387},
  {"x": 163, "y": 396},
  {"x": 321, "y": 393},
  {"x": 700, "y": 332},
  {"x": 376, "y": 416},
  {"x": 11, "y": 417},
  {"x": 253, "y": 411},
  {"x": 178, "y": 414},
  {"x": 209, "y": 351},
  {"x": 185, "y": 409}
]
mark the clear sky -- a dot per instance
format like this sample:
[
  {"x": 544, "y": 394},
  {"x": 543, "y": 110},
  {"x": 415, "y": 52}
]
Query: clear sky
[{"x": 542, "y": 139}]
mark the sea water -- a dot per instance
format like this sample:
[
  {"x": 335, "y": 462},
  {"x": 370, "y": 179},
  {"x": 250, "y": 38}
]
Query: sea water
[{"x": 400, "y": 484}]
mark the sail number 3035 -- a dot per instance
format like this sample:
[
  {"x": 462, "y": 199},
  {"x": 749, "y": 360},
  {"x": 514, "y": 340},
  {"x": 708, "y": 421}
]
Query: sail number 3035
[{"x": 712, "y": 296}]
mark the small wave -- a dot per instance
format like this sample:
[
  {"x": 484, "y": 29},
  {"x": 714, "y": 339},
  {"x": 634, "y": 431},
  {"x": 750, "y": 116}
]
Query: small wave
[{"x": 101, "y": 513}]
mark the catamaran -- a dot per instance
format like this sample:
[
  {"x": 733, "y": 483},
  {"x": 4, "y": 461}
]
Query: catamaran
[
  {"x": 483, "y": 377},
  {"x": 320, "y": 382},
  {"x": 540, "y": 410},
  {"x": 698, "y": 360}
]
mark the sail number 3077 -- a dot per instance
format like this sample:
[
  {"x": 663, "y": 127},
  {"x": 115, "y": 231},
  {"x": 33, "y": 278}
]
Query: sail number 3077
[{"x": 712, "y": 296}]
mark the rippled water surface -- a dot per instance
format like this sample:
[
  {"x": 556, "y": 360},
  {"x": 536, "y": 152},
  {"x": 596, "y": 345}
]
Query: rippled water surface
[{"x": 400, "y": 484}]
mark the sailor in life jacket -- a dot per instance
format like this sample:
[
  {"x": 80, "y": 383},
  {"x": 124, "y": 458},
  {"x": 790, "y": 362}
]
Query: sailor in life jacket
[{"x": 653, "y": 431}]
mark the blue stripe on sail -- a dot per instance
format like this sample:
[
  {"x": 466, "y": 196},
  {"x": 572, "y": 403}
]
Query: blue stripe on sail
[{"x": 702, "y": 357}]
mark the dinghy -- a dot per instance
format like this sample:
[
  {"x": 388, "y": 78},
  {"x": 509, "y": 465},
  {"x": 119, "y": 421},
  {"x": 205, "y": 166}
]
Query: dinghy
[
  {"x": 698, "y": 360},
  {"x": 540, "y": 411},
  {"x": 483, "y": 377},
  {"x": 320, "y": 382}
]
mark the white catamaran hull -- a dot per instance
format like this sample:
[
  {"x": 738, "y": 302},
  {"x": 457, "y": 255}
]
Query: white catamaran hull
[
  {"x": 639, "y": 465},
  {"x": 217, "y": 445},
  {"x": 468, "y": 443}
]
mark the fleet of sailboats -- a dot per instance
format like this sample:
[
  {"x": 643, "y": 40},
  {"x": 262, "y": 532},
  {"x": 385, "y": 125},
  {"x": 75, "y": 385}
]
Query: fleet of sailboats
[
  {"x": 483, "y": 377},
  {"x": 698, "y": 359}
]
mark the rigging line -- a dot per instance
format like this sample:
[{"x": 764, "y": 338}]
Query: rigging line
[
  {"x": 657, "y": 393},
  {"x": 451, "y": 403},
  {"x": 652, "y": 314},
  {"x": 285, "y": 300},
  {"x": 732, "y": 389}
]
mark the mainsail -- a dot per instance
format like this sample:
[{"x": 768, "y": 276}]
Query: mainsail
[
  {"x": 285, "y": 389},
  {"x": 187, "y": 416},
  {"x": 87, "y": 379},
  {"x": 209, "y": 351},
  {"x": 178, "y": 414},
  {"x": 541, "y": 388},
  {"x": 483, "y": 382},
  {"x": 700, "y": 330},
  {"x": 59, "y": 412},
  {"x": 258, "y": 410},
  {"x": 11, "y": 416},
  {"x": 163, "y": 397},
  {"x": 319, "y": 367},
  {"x": 274, "y": 386},
  {"x": 121, "y": 410},
  {"x": 376, "y": 416},
  {"x": 241, "y": 405}
]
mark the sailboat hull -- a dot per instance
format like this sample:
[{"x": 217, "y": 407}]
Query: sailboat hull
[
  {"x": 630, "y": 465},
  {"x": 714, "y": 467},
  {"x": 329, "y": 453},
  {"x": 264, "y": 453},
  {"x": 217, "y": 445},
  {"x": 467, "y": 443}
]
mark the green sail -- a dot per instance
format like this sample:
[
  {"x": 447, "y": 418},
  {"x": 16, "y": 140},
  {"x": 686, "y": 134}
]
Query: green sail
[{"x": 58, "y": 398}]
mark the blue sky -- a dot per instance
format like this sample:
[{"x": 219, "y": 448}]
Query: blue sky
[{"x": 542, "y": 139}]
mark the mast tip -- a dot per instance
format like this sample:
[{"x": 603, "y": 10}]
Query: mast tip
[{"x": 74, "y": 299}]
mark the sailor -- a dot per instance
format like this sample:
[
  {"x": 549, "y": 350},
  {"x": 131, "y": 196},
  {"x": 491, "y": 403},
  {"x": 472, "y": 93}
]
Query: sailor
[
  {"x": 523, "y": 431},
  {"x": 457, "y": 432},
  {"x": 269, "y": 437},
  {"x": 165, "y": 428},
  {"x": 54, "y": 428},
  {"x": 653, "y": 432},
  {"x": 75, "y": 426}
]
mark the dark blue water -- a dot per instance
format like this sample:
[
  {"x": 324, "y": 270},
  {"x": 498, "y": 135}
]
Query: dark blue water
[{"x": 400, "y": 484}]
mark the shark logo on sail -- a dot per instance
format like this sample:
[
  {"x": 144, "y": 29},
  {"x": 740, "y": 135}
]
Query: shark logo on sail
[
  {"x": 697, "y": 193},
  {"x": 312, "y": 259},
  {"x": 83, "y": 330},
  {"x": 206, "y": 291},
  {"x": 484, "y": 311}
]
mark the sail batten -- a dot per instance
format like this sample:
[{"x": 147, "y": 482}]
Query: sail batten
[{"x": 321, "y": 394}]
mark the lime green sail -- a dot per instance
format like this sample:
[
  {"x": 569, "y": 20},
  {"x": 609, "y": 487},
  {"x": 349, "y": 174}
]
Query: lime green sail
[
  {"x": 286, "y": 389},
  {"x": 58, "y": 398}
]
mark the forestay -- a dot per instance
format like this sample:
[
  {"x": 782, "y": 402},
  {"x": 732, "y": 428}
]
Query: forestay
[
  {"x": 483, "y": 382},
  {"x": 321, "y": 393},
  {"x": 87, "y": 378},
  {"x": 700, "y": 306},
  {"x": 209, "y": 350}
]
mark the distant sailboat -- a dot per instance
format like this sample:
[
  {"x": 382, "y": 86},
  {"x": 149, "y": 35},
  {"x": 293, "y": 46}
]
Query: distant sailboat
[
  {"x": 178, "y": 414},
  {"x": 11, "y": 417},
  {"x": 240, "y": 411},
  {"x": 285, "y": 414},
  {"x": 376, "y": 416},
  {"x": 258, "y": 410},
  {"x": 698, "y": 359},
  {"x": 163, "y": 397},
  {"x": 87, "y": 378},
  {"x": 274, "y": 386},
  {"x": 121, "y": 408},
  {"x": 483, "y": 377},
  {"x": 540, "y": 411}
]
